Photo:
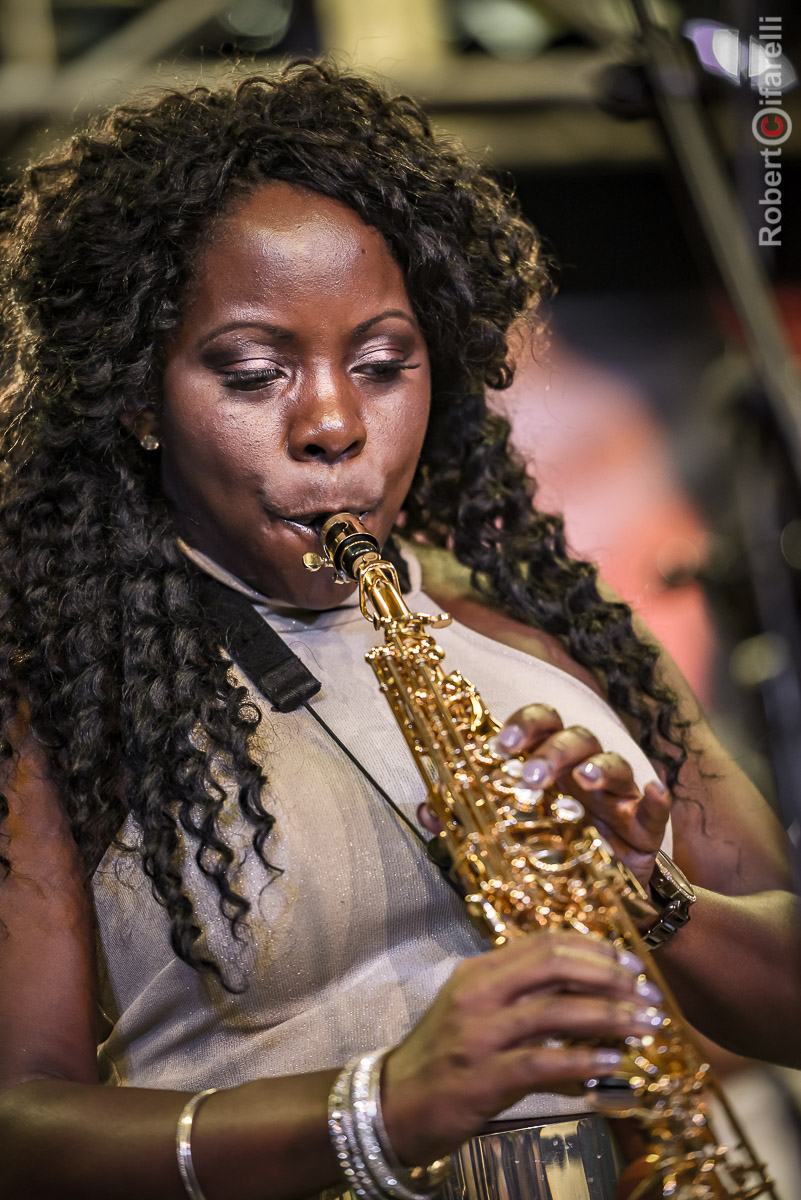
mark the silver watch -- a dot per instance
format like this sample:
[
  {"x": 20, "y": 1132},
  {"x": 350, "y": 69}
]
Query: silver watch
[{"x": 674, "y": 895}]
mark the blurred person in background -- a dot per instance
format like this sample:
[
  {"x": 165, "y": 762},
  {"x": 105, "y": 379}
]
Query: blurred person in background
[{"x": 600, "y": 458}]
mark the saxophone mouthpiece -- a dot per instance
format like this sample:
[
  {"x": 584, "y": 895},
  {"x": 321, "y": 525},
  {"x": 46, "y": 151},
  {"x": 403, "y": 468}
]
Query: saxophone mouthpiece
[{"x": 345, "y": 541}]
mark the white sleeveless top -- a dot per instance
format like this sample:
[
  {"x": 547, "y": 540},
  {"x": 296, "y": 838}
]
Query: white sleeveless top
[{"x": 347, "y": 947}]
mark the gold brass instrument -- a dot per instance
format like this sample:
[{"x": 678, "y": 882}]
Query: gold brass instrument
[{"x": 527, "y": 859}]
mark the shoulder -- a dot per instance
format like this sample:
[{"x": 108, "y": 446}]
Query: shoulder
[{"x": 447, "y": 582}]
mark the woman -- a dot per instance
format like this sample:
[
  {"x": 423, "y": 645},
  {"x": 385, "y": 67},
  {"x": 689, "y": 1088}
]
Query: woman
[{"x": 231, "y": 313}]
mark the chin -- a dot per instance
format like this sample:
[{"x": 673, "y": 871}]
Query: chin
[
  {"x": 327, "y": 594},
  {"x": 314, "y": 590}
]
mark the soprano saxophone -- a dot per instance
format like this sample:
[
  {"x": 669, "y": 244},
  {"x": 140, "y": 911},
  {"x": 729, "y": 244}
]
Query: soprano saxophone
[{"x": 527, "y": 859}]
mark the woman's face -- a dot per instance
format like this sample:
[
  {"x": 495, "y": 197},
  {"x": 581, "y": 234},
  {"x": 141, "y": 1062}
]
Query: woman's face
[{"x": 297, "y": 384}]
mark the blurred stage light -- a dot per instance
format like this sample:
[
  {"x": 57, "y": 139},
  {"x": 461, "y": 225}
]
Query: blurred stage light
[
  {"x": 717, "y": 47},
  {"x": 758, "y": 659},
  {"x": 791, "y": 543},
  {"x": 722, "y": 51},
  {"x": 509, "y": 29},
  {"x": 265, "y": 22}
]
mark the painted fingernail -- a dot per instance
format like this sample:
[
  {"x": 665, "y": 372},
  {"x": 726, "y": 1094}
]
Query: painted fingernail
[
  {"x": 608, "y": 1058},
  {"x": 630, "y": 961},
  {"x": 511, "y": 736},
  {"x": 536, "y": 771},
  {"x": 591, "y": 771},
  {"x": 650, "y": 1016},
  {"x": 649, "y": 991}
]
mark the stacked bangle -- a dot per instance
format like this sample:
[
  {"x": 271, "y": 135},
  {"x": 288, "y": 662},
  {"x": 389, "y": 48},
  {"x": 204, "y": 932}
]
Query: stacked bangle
[{"x": 363, "y": 1150}]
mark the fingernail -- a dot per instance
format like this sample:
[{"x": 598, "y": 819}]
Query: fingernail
[
  {"x": 591, "y": 771},
  {"x": 648, "y": 991},
  {"x": 511, "y": 736},
  {"x": 630, "y": 961},
  {"x": 608, "y": 1058},
  {"x": 650, "y": 1016},
  {"x": 536, "y": 771},
  {"x": 658, "y": 786}
]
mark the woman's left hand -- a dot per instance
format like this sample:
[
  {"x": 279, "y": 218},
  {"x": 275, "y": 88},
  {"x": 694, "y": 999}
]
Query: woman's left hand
[{"x": 632, "y": 821}]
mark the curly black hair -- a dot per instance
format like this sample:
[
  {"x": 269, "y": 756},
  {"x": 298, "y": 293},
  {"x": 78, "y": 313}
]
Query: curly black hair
[{"x": 103, "y": 639}]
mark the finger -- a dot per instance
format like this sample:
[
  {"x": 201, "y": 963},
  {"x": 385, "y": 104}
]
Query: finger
[
  {"x": 654, "y": 807},
  {"x": 629, "y": 822},
  {"x": 542, "y": 1068},
  {"x": 606, "y": 772},
  {"x": 559, "y": 753},
  {"x": 575, "y": 1016},
  {"x": 428, "y": 820},
  {"x": 616, "y": 819},
  {"x": 563, "y": 961},
  {"x": 527, "y": 727}
]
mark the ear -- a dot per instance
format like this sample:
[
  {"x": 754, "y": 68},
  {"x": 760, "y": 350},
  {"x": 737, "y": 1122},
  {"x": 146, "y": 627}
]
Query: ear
[{"x": 142, "y": 423}]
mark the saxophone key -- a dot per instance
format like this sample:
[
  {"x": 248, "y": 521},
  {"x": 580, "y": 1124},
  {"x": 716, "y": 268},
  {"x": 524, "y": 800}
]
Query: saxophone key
[
  {"x": 567, "y": 808},
  {"x": 527, "y": 798}
]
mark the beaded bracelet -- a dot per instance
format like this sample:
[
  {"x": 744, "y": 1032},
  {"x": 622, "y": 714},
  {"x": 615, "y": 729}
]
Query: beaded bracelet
[{"x": 360, "y": 1140}]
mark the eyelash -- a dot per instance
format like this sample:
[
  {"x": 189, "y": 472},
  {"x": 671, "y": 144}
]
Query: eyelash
[
  {"x": 254, "y": 380},
  {"x": 384, "y": 368},
  {"x": 249, "y": 381}
]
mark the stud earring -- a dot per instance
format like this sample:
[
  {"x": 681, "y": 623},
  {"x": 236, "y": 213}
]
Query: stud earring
[{"x": 149, "y": 442}]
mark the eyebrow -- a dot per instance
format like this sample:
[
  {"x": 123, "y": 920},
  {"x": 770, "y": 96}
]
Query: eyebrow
[
  {"x": 363, "y": 326},
  {"x": 276, "y": 331},
  {"x": 279, "y": 331}
]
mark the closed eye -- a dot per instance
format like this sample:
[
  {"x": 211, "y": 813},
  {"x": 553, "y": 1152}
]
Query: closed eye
[
  {"x": 385, "y": 368},
  {"x": 250, "y": 381}
]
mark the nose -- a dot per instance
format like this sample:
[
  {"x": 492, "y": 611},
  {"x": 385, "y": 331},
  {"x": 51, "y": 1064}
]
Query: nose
[{"x": 327, "y": 426}]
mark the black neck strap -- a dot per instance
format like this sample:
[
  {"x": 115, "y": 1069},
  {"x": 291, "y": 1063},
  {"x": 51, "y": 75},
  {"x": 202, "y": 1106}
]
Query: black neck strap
[
  {"x": 262, "y": 654},
  {"x": 286, "y": 682},
  {"x": 254, "y": 645}
]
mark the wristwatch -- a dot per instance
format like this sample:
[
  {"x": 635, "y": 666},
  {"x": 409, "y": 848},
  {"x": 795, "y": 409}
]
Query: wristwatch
[{"x": 674, "y": 896}]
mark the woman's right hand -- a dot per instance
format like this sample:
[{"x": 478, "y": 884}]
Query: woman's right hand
[{"x": 487, "y": 1040}]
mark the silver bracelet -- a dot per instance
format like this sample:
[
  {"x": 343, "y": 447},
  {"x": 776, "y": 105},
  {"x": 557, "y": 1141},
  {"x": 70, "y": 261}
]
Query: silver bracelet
[
  {"x": 342, "y": 1128},
  {"x": 426, "y": 1179},
  {"x": 363, "y": 1149},
  {"x": 183, "y": 1142}
]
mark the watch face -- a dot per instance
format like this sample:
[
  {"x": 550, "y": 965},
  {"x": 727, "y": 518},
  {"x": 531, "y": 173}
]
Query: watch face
[{"x": 670, "y": 880}]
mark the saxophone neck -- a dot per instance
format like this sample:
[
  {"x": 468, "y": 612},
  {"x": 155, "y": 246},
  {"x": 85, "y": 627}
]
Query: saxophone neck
[
  {"x": 353, "y": 553},
  {"x": 379, "y": 588}
]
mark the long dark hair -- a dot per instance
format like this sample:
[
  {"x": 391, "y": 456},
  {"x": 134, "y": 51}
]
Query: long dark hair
[{"x": 103, "y": 641}]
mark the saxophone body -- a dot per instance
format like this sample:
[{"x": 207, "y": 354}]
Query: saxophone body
[{"x": 528, "y": 859}]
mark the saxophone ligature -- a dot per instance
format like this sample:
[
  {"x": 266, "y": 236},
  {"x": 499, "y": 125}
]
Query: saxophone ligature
[{"x": 528, "y": 859}]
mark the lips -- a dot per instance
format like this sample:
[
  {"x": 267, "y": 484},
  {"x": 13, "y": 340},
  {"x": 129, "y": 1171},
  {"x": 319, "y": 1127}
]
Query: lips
[{"x": 313, "y": 522}]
